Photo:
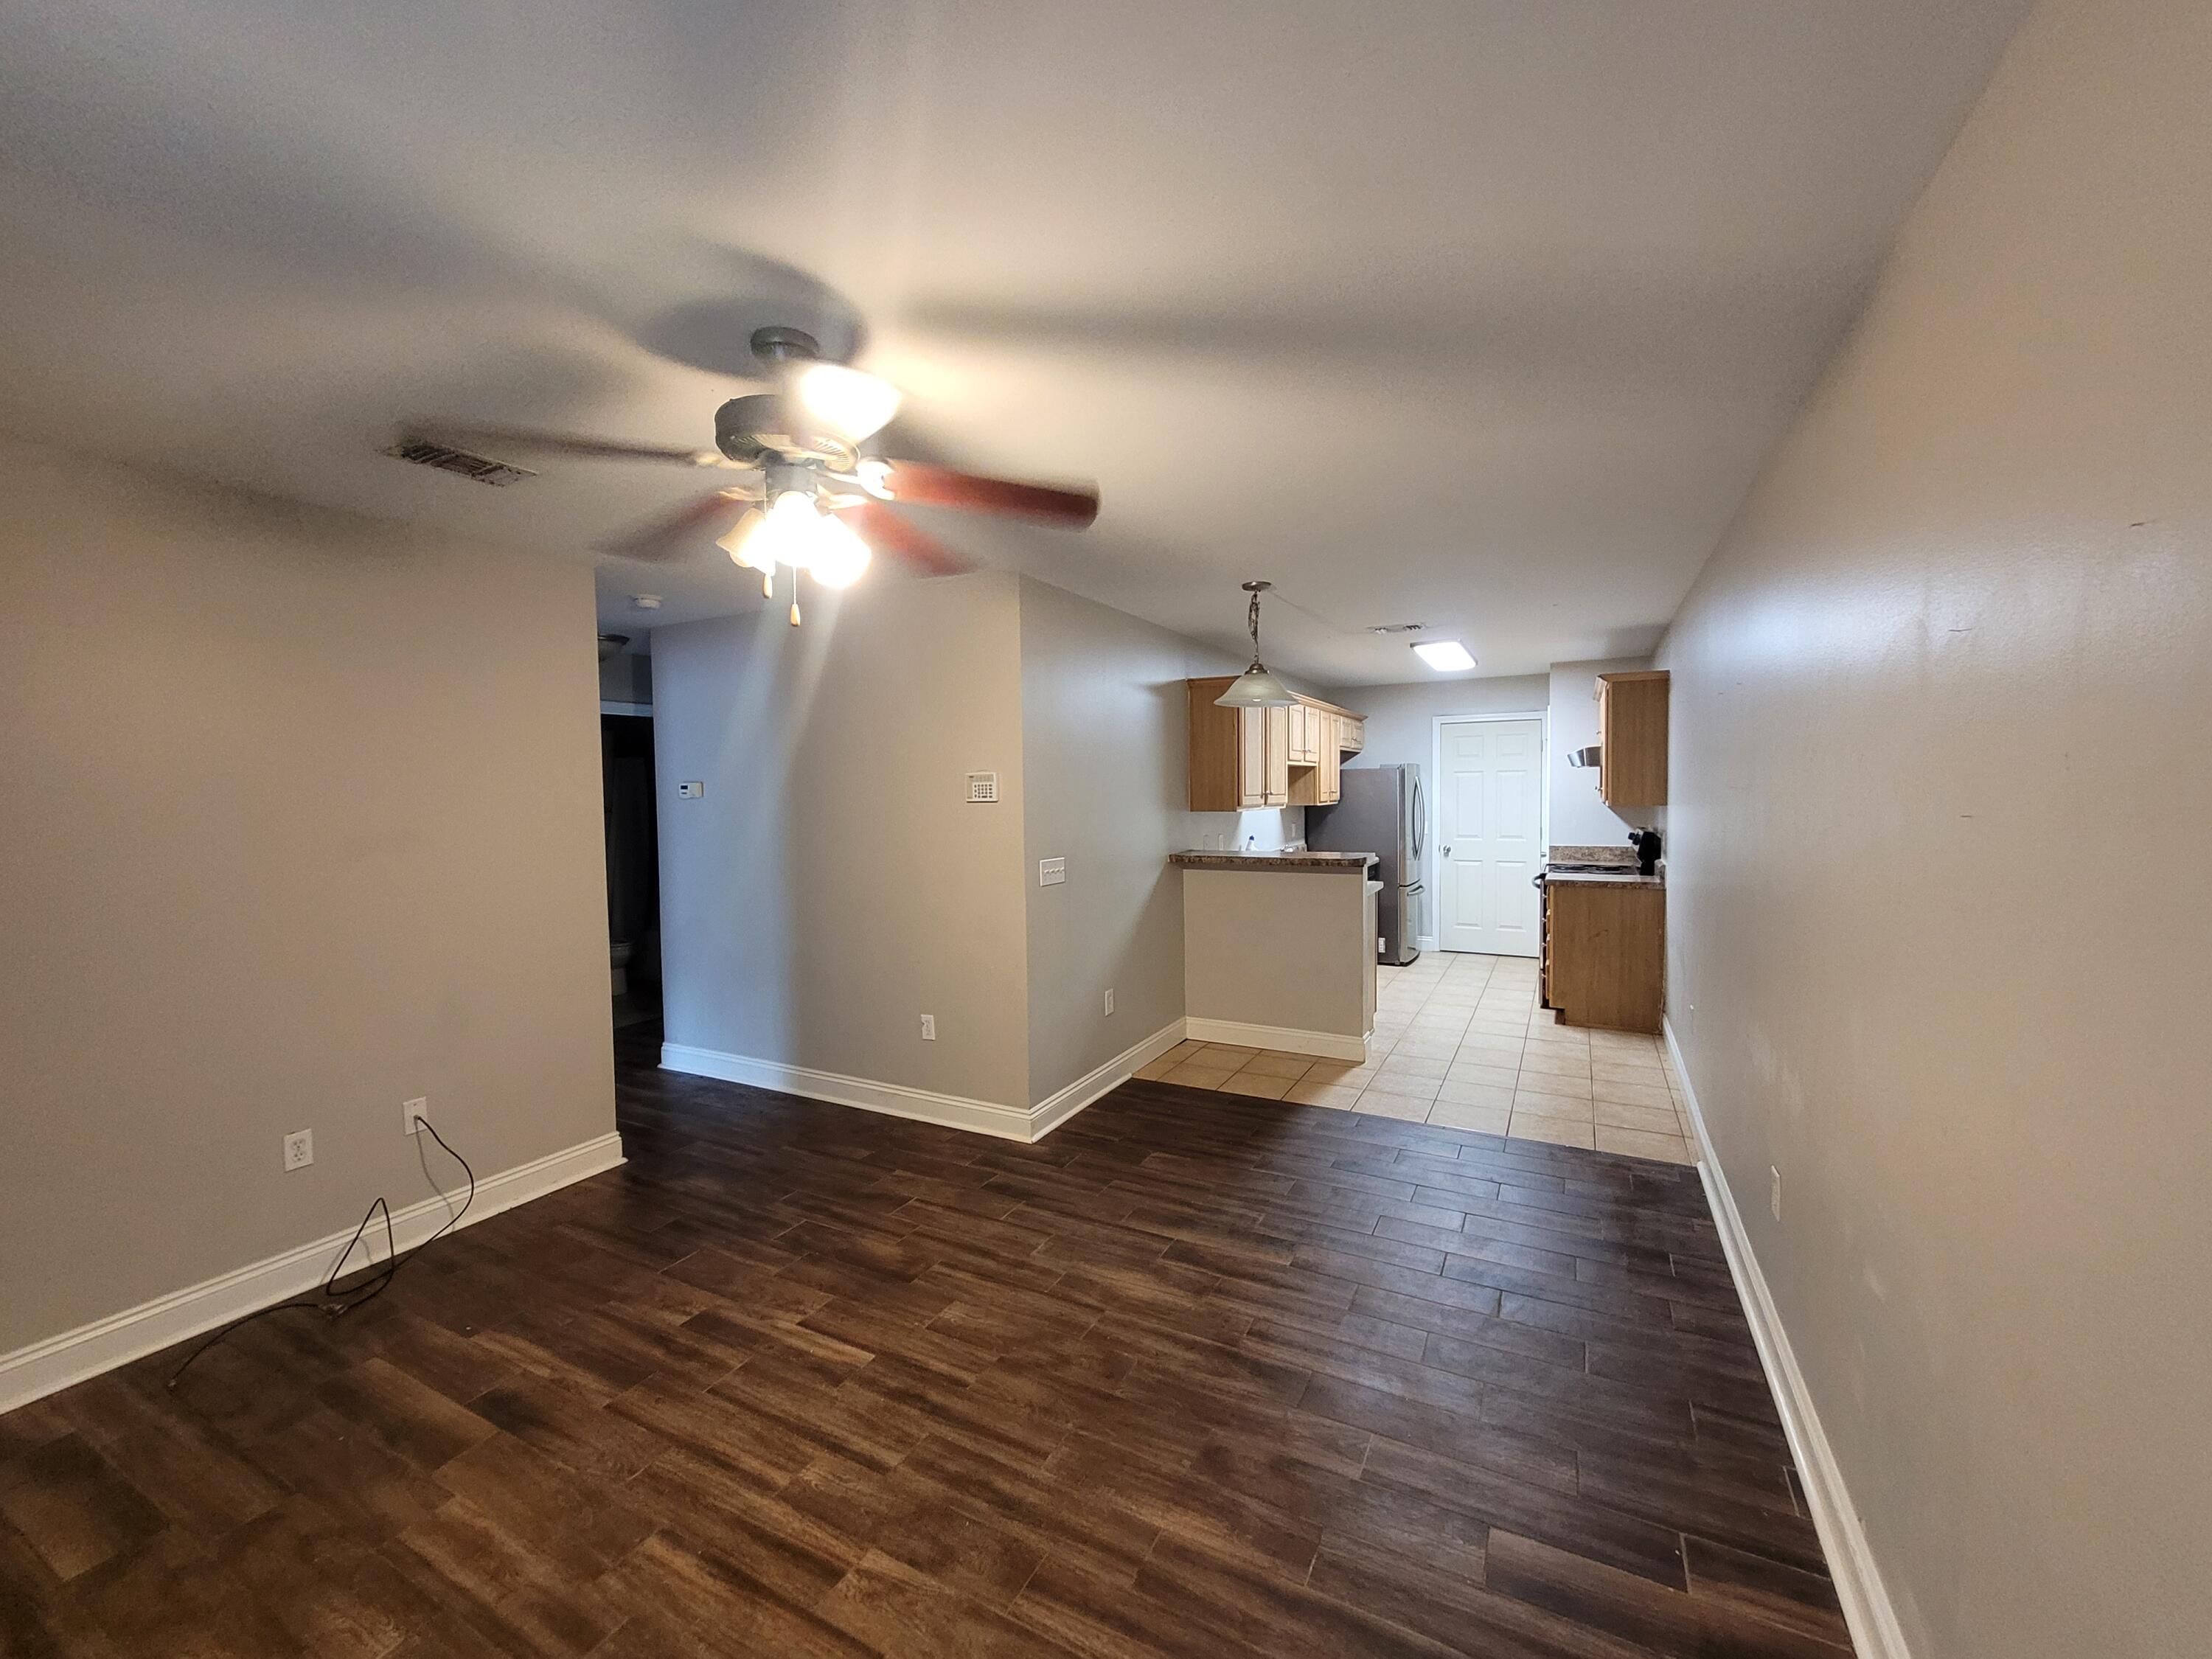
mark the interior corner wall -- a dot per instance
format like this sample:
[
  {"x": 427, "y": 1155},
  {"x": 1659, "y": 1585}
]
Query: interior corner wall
[
  {"x": 1105, "y": 734},
  {"x": 1578, "y": 818},
  {"x": 833, "y": 883},
  {"x": 301, "y": 820},
  {"x": 1938, "y": 909}
]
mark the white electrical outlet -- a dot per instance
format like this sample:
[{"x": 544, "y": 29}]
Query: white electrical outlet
[
  {"x": 298, "y": 1149},
  {"x": 1109, "y": 998},
  {"x": 410, "y": 1111},
  {"x": 1051, "y": 872},
  {"x": 1774, "y": 1191},
  {"x": 929, "y": 1028}
]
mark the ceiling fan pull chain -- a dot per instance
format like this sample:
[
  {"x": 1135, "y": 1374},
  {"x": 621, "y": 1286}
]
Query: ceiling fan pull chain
[{"x": 794, "y": 596}]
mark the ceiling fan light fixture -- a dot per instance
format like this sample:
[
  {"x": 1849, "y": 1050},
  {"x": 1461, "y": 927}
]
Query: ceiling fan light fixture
[
  {"x": 1445, "y": 656},
  {"x": 840, "y": 556},
  {"x": 852, "y": 403},
  {"x": 788, "y": 533},
  {"x": 737, "y": 541},
  {"x": 875, "y": 476}
]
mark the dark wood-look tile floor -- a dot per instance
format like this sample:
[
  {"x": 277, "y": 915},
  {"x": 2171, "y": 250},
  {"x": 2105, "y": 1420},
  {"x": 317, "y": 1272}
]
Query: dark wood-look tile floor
[{"x": 1197, "y": 1375}]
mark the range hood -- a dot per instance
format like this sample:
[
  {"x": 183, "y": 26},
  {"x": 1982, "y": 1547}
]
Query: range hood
[{"x": 1585, "y": 756}]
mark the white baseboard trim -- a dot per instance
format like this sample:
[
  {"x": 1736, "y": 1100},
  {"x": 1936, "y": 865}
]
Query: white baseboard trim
[
  {"x": 1326, "y": 1045},
  {"x": 987, "y": 1117},
  {"x": 1058, "y": 1107},
  {"x": 1868, "y": 1610},
  {"x": 1425, "y": 942},
  {"x": 46, "y": 1367}
]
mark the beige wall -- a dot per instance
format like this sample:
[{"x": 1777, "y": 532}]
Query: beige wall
[
  {"x": 834, "y": 885},
  {"x": 1105, "y": 732},
  {"x": 301, "y": 820},
  {"x": 1287, "y": 948},
  {"x": 1939, "y": 912}
]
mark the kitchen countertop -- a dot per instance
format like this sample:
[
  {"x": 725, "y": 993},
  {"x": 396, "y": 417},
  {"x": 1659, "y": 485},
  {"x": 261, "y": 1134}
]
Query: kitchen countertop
[
  {"x": 1351, "y": 863},
  {"x": 1627, "y": 877}
]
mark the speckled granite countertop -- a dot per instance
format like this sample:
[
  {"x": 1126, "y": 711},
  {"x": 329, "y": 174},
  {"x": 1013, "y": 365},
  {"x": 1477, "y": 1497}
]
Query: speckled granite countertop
[
  {"x": 1351, "y": 863},
  {"x": 1630, "y": 877}
]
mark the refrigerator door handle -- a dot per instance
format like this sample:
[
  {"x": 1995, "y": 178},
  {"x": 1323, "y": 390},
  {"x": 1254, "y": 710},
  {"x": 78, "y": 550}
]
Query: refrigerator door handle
[{"x": 1418, "y": 815}]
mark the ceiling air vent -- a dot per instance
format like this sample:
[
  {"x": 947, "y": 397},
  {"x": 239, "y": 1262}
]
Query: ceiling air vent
[
  {"x": 1397, "y": 627},
  {"x": 423, "y": 452}
]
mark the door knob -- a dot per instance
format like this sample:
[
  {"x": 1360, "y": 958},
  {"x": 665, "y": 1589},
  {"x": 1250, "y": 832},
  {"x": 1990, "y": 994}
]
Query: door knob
[{"x": 1447, "y": 849}]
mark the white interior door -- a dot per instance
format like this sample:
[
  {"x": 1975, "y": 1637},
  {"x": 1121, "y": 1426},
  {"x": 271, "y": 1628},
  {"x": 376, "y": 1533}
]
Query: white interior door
[{"x": 1490, "y": 835}]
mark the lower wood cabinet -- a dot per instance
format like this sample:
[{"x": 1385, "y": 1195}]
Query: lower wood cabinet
[{"x": 1605, "y": 954}]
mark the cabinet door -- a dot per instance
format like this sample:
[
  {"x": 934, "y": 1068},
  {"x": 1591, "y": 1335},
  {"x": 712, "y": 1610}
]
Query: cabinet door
[
  {"x": 1330, "y": 783},
  {"x": 1632, "y": 727},
  {"x": 1351, "y": 733},
  {"x": 1252, "y": 756},
  {"x": 1277, "y": 750}
]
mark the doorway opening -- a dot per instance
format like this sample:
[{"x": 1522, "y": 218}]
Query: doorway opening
[
  {"x": 633, "y": 838},
  {"x": 1489, "y": 833}
]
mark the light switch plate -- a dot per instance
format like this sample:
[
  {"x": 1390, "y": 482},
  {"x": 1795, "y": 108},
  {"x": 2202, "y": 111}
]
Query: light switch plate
[{"x": 1051, "y": 872}]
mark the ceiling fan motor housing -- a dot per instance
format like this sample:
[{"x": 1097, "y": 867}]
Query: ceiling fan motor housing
[{"x": 763, "y": 427}]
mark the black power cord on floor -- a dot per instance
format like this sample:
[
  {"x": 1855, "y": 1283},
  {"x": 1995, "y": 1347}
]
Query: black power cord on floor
[{"x": 333, "y": 1300}]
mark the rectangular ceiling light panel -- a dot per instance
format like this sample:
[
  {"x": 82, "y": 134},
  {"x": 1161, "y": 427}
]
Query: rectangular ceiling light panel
[{"x": 1445, "y": 656}]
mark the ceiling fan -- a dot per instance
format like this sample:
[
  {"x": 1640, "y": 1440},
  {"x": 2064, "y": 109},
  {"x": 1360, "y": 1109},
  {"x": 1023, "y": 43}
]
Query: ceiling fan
[{"x": 815, "y": 499}]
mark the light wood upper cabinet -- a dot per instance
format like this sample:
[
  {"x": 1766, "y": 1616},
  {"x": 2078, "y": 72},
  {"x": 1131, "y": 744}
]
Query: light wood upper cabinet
[
  {"x": 1251, "y": 756},
  {"x": 1242, "y": 758},
  {"x": 1329, "y": 782},
  {"x": 1351, "y": 732},
  {"x": 1631, "y": 733},
  {"x": 1276, "y": 751}
]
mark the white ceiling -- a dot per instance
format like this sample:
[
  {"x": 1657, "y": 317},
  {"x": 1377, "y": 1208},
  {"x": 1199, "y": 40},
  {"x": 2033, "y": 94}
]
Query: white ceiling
[{"x": 1479, "y": 312}]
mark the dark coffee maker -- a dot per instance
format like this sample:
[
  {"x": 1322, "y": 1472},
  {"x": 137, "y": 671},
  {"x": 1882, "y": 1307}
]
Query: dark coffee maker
[{"x": 1646, "y": 843}]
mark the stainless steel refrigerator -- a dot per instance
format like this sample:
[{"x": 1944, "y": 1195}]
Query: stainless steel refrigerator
[{"x": 1381, "y": 812}]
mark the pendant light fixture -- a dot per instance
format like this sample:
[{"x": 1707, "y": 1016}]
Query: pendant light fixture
[{"x": 1255, "y": 688}]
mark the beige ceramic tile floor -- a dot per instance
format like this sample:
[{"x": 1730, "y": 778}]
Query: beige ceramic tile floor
[{"x": 1460, "y": 1040}]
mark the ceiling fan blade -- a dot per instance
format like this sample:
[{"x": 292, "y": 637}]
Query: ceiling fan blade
[
  {"x": 918, "y": 482},
  {"x": 565, "y": 443},
  {"x": 677, "y": 535},
  {"x": 891, "y": 535}
]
